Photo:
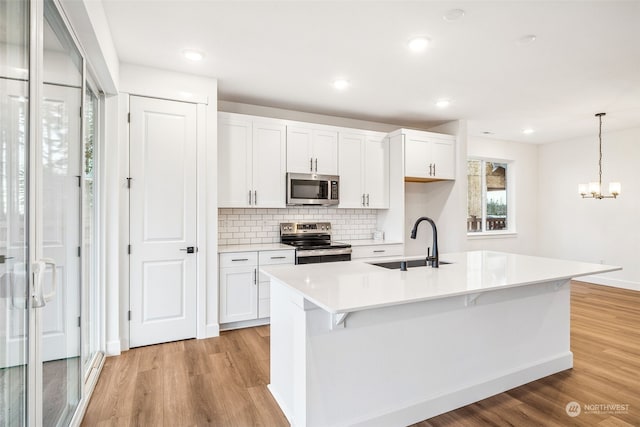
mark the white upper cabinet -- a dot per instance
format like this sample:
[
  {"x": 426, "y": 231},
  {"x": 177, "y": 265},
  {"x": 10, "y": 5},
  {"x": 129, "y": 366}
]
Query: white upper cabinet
[
  {"x": 364, "y": 170},
  {"x": 235, "y": 159},
  {"x": 251, "y": 161},
  {"x": 311, "y": 150},
  {"x": 429, "y": 156}
]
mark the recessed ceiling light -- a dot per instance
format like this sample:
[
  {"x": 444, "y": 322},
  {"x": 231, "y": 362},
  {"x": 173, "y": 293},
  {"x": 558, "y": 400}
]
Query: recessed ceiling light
[
  {"x": 443, "y": 103},
  {"x": 453, "y": 14},
  {"x": 527, "y": 131},
  {"x": 418, "y": 44},
  {"x": 529, "y": 38},
  {"x": 193, "y": 55},
  {"x": 340, "y": 84}
]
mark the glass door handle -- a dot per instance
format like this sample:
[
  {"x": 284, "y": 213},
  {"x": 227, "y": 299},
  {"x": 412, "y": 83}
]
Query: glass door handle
[
  {"x": 40, "y": 299},
  {"x": 3, "y": 258}
]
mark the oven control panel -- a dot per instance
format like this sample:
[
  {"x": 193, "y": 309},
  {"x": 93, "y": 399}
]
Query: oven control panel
[{"x": 288, "y": 228}]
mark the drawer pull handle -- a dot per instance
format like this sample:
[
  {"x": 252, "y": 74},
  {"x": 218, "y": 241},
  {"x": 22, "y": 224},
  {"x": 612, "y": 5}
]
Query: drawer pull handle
[
  {"x": 278, "y": 257},
  {"x": 240, "y": 259},
  {"x": 379, "y": 250}
]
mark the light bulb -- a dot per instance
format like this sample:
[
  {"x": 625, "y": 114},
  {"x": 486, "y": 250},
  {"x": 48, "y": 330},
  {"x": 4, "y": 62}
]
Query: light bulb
[{"x": 614, "y": 188}]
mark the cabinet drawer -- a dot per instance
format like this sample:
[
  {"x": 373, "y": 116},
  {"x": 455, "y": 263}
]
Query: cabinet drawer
[
  {"x": 277, "y": 257},
  {"x": 376, "y": 251},
  {"x": 238, "y": 259}
]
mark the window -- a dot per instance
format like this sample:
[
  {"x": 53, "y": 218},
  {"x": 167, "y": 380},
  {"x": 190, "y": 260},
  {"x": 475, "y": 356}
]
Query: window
[{"x": 488, "y": 196}]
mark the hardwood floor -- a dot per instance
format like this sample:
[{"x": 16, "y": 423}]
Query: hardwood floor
[{"x": 222, "y": 381}]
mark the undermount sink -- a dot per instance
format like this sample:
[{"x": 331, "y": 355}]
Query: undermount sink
[{"x": 395, "y": 265}]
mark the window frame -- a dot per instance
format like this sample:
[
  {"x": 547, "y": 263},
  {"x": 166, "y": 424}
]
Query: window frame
[{"x": 510, "y": 231}]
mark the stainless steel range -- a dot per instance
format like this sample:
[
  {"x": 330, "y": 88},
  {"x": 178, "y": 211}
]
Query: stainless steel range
[{"x": 312, "y": 241}]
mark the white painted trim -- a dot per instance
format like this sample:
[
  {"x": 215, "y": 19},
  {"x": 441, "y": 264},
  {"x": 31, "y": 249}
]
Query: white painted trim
[
  {"x": 113, "y": 348},
  {"x": 244, "y": 324},
  {"x": 609, "y": 281},
  {"x": 201, "y": 220},
  {"x": 122, "y": 195}
]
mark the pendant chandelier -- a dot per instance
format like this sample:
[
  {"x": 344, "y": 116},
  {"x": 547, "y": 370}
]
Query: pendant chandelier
[{"x": 593, "y": 190}]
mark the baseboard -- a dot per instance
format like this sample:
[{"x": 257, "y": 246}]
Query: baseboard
[
  {"x": 432, "y": 406},
  {"x": 212, "y": 330},
  {"x": 607, "y": 281},
  {"x": 245, "y": 324},
  {"x": 113, "y": 348}
]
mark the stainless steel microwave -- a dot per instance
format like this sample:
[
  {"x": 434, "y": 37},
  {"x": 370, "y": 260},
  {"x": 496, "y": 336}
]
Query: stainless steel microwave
[{"x": 312, "y": 189}]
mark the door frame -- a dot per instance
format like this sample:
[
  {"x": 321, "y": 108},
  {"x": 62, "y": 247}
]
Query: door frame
[{"x": 206, "y": 202}]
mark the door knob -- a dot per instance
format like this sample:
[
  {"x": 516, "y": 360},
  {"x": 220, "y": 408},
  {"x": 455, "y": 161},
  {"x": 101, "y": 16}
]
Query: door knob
[{"x": 189, "y": 249}]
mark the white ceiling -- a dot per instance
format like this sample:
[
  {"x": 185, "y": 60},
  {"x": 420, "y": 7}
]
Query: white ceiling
[{"x": 585, "y": 59}]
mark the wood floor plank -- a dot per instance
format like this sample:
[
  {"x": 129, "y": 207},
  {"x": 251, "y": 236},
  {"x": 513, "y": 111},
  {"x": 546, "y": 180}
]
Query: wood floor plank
[{"x": 222, "y": 381}]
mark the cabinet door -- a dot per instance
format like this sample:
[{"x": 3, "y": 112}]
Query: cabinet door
[
  {"x": 443, "y": 153},
  {"x": 269, "y": 165},
  {"x": 325, "y": 152},
  {"x": 238, "y": 294},
  {"x": 299, "y": 156},
  {"x": 417, "y": 153},
  {"x": 234, "y": 162},
  {"x": 376, "y": 172},
  {"x": 350, "y": 170}
]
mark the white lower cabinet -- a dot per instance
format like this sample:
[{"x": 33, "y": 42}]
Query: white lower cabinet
[{"x": 244, "y": 292}]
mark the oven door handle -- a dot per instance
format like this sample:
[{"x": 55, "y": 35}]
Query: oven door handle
[{"x": 323, "y": 252}]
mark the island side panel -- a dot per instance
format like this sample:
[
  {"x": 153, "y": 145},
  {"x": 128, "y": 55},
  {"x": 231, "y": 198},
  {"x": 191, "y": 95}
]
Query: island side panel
[{"x": 399, "y": 365}]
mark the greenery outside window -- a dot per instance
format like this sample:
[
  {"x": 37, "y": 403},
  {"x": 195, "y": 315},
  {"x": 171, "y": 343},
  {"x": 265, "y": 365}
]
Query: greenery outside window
[{"x": 488, "y": 194}]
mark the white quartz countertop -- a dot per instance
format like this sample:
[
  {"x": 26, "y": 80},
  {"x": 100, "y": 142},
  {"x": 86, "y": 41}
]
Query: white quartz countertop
[
  {"x": 342, "y": 287},
  {"x": 255, "y": 247}
]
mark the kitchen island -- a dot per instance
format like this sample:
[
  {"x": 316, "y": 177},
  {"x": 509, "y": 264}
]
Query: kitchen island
[{"x": 357, "y": 344}]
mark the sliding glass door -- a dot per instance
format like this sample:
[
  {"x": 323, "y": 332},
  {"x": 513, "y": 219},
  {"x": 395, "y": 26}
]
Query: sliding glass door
[
  {"x": 61, "y": 168},
  {"x": 14, "y": 256},
  {"x": 49, "y": 299}
]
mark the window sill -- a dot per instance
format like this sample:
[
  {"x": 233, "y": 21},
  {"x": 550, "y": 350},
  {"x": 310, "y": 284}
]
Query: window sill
[{"x": 492, "y": 235}]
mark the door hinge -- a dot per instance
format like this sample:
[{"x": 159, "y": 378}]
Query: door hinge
[
  {"x": 129, "y": 182},
  {"x": 79, "y": 251},
  {"x": 80, "y": 112},
  {"x": 129, "y": 315},
  {"x": 128, "y": 249},
  {"x": 128, "y": 117},
  {"x": 79, "y": 321},
  {"x": 79, "y": 180}
]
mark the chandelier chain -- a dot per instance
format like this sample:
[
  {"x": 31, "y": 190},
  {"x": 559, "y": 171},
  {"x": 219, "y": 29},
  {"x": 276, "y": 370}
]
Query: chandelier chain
[{"x": 600, "y": 150}]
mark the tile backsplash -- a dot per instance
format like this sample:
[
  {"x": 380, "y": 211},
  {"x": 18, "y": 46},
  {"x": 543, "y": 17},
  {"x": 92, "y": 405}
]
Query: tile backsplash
[{"x": 238, "y": 226}]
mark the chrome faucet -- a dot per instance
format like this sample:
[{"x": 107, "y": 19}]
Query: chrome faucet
[{"x": 431, "y": 259}]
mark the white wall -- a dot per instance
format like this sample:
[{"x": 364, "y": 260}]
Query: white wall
[
  {"x": 524, "y": 161},
  {"x": 590, "y": 230}
]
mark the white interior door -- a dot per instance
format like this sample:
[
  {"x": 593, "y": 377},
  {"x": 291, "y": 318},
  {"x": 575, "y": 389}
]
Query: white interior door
[{"x": 163, "y": 221}]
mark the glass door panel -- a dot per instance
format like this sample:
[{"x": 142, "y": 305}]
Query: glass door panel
[
  {"x": 61, "y": 184},
  {"x": 90, "y": 303},
  {"x": 14, "y": 116}
]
